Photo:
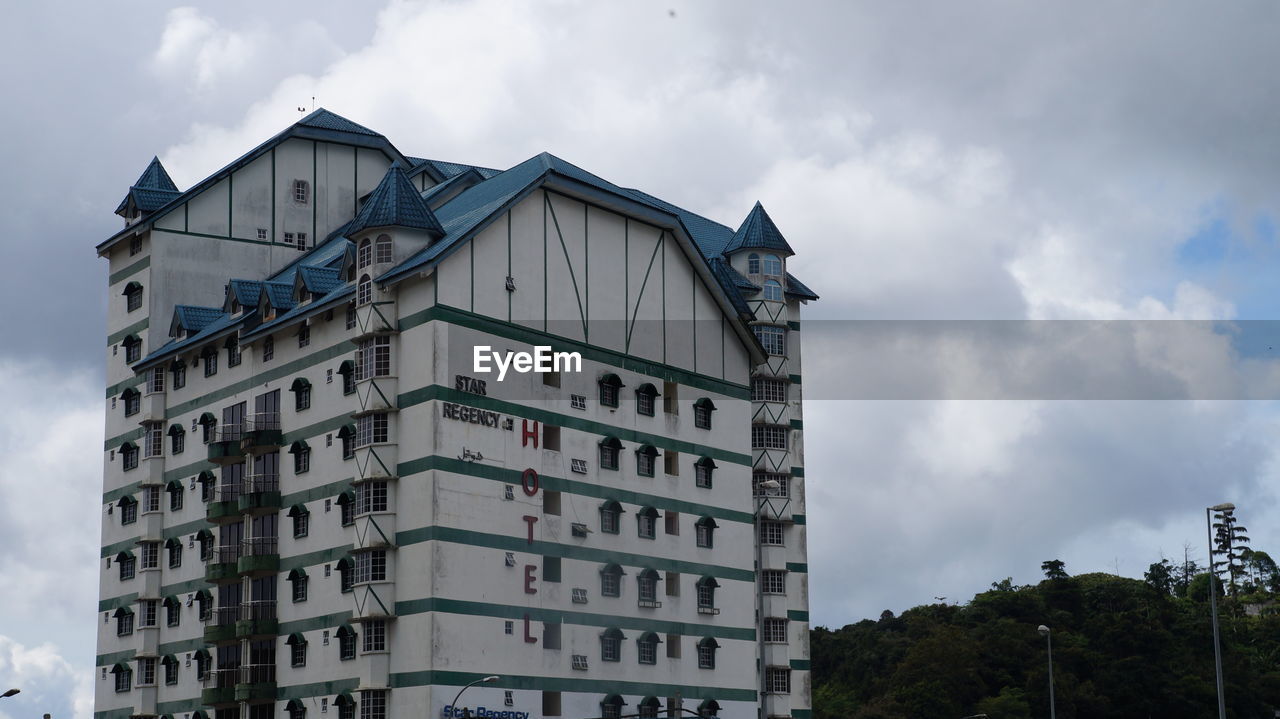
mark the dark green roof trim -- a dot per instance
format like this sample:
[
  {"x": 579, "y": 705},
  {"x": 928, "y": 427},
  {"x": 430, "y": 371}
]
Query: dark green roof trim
[
  {"x": 613, "y": 358},
  {"x": 125, "y": 273},
  {"x": 134, "y": 328}
]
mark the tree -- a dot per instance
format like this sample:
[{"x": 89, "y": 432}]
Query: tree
[
  {"x": 1054, "y": 569},
  {"x": 1159, "y": 577},
  {"x": 1230, "y": 539}
]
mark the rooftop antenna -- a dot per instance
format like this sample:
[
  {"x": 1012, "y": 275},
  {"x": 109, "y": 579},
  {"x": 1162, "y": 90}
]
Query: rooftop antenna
[
  {"x": 313, "y": 103},
  {"x": 302, "y": 110}
]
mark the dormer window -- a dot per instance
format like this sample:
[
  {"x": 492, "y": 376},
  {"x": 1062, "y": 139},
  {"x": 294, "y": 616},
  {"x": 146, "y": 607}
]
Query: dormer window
[
  {"x": 301, "y": 191},
  {"x": 772, "y": 265},
  {"x": 382, "y": 251},
  {"x": 753, "y": 264}
]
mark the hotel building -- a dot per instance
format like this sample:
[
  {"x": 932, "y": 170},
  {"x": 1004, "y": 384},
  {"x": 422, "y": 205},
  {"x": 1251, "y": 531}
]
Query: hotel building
[{"x": 317, "y": 505}]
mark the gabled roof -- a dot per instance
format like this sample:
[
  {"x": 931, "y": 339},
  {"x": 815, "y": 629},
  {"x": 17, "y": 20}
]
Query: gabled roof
[
  {"x": 192, "y": 319},
  {"x": 711, "y": 236},
  {"x": 279, "y": 295},
  {"x": 246, "y": 292},
  {"x": 448, "y": 169},
  {"x": 395, "y": 202},
  {"x": 319, "y": 280},
  {"x": 436, "y": 195},
  {"x": 758, "y": 232},
  {"x": 153, "y": 190},
  {"x": 324, "y": 120},
  {"x": 729, "y": 279}
]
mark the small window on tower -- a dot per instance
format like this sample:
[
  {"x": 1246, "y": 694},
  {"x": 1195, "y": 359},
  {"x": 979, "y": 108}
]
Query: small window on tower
[{"x": 301, "y": 191}]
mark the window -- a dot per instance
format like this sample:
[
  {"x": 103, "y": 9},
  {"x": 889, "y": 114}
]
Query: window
[
  {"x": 207, "y": 426},
  {"x": 373, "y": 704},
  {"x": 753, "y": 264},
  {"x": 772, "y": 291},
  {"x": 551, "y": 502},
  {"x": 383, "y": 254},
  {"x": 775, "y": 630},
  {"x": 124, "y": 622},
  {"x": 175, "y": 496},
  {"x": 262, "y": 234},
  {"x": 233, "y": 352},
  {"x": 611, "y": 645},
  {"x": 551, "y": 379},
  {"x": 302, "y": 240},
  {"x": 124, "y": 678},
  {"x": 128, "y": 509},
  {"x": 647, "y": 588},
  {"x": 707, "y": 595},
  {"x": 550, "y": 635},
  {"x": 149, "y": 609},
  {"x": 133, "y": 296},
  {"x": 551, "y": 569},
  {"x": 375, "y": 636},
  {"x": 132, "y": 401},
  {"x": 371, "y": 429},
  {"x": 611, "y": 707},
  {"x": 346, "y": 643},
  {"x": 648, "y": 708},
  {"x": 609, "y": 386},
  {"x": 702, "y": 410},
  {"x": 647, "y": 523},
  {"x": 702, "y": 470},
  {"x": 304, "y": 336},
  {"x": 150, "y": 554},
  {"x": 351, "y": 315},
  {"x": 672, "y": 521},
  {"x": 771, "y": 533},
  {"x": 773, "y": 581},
  {"x": 759, "y": 489},
  {"x": 773, "y": 339},
  {"x": 301, "y": 191},
  {"x": 170, "y": 670},
  {"x": 373, "y": 357},
  {"x": 172, "y": 611},
  {"x": 772, "y": 265},
  {"x": 364, "y": 254},
  {"x": 301, "y": 389},
  {"x": 206, "y": 486},
  {"x": 578, "y": 401},
  {"x": 647, "y": 649},
  {"x": 777, "y": 680},
  {"x": 301, "y": 520},
  {"x": 179, "y": 370},
  {"x": 297, "y": 651},
  {"x": 672, "y": 581},
  {"x": 206, "y": 543},
  {"x": 135, "y": 246},
  {"x": 644, "y": 460},
  {"x": 151, "y": 499},
  {"x": 551, "y": 439},
  {"x": 347, "y": 435},
  {"x": 204, "y": 609},
  {"x": 346, "y": 575},
  {"x": 610, "y": 448},
  {"x": 610, "y": 512},
  {"x": 611, "y": 581},
  {"x": 301, "y": 459},
  {"x": 766, "y": 389},
  {"x": 707, "y": 653},
  {"x": 364, "y": 290},
  {"x": 174, "y": 549},
  {"x": 268, "y": 348},
  {"x": 129, "y": 456},
  {"x": 673, "y": 646},
  {"x": 645, "y": 396},
  {"x": 132, "y": 348},
  {"x": 300, "y": 584},
  {"x": 153, "y": 446},
  {"x": 128, "y": 565},
  {"x": 371, "y": 567},
  {"x": 155, "y": 379},
  {"x": 705, "y": 528},
  {"x": 671, "y": 398},
  {"x": 768, "y": 436},
  {"x": 348, "y": 371},
  {"x": 177, "y": 441}
]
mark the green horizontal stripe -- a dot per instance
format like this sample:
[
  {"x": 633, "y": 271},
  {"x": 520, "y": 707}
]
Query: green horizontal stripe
[
  {"x": 127, "y": 272},
  {"x": 332, "y": 687},
  {"x": 800, "y": 664},
  {"x": 136, "y": 327},
  {"x": 115, "y": 389},
  {"x": 176, "y": 530},
  {"x": 312, "y": 624},
  {"x": 572, "y": 684},
  {"x": 796, "y": 615},
  {"x": 797, "y": 472},
  {"x": 798, "y": 518},
  {"x": 106, "y": 605},
  {"x": 559, "y": 484},
  {"x": 552, "y": 549},
  {"x": 106, "y": 660},
  {"x": 437, "y": 392},
  {"x": 538, "y": 614},
  {"x": 801, "y": 714},
  {"x": 119, "y": 439},
  {"x": 594, "y": 353},
  {"x": 793, "y": 326},
  {"x": 801, "y": 567},
  {"x": 795, "y": 378},
  {"x": 224, "y": 238},
  {"x": 797, "y": 424}
]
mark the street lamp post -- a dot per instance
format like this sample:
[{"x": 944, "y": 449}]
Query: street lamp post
[
  {"x": 1227, "y": 508},
  {"x": 482, "y": 680},
  {"x": 1044, "y": 632},
  {"x": 10, "y": 693}
]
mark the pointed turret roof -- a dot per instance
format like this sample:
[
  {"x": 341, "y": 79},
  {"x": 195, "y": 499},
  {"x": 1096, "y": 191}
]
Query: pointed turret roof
[
  {"x": 758, "y": 232},
  {"x": 152, "y": 191},
  {"x": 395, "y": 202}
]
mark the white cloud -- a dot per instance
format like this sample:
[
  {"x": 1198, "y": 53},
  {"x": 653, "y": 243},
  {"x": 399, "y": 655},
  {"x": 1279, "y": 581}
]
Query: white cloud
[{"x": 48, "y": 682}]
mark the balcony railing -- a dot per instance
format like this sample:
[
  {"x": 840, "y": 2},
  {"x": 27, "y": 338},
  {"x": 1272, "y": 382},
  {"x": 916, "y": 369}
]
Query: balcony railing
[
  {"x": 228, "y": 492},
  {"x": 226, "y": 554},
  {"x": 258, "y": 609},
  {"x": 260, "y": 547},
  {"x": 226, "y": 616},
  {"x": 257, "y": 483},
  {"x": 228, "y": 432},
  {"x": 262, "y": 421},
  {"x": 224, "y": 678},
  {"x": 258, "y": 674}
]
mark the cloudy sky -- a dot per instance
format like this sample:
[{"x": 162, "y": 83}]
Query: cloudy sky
[{"x": 961, "y": 162}]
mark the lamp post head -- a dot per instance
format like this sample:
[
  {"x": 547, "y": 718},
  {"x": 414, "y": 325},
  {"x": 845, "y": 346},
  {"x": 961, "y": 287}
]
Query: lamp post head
[
  {"x": 1044, "y": 631},
  {"x": 10, "y": 693},
  {"x": 1224, "y": 507},
  {"x": 490, "y": 678}
]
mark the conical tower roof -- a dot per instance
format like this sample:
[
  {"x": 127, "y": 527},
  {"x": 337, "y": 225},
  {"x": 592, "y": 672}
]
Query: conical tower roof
[
  {"x": 758, "y": 232},
  {"x": 395, "y": 202}
]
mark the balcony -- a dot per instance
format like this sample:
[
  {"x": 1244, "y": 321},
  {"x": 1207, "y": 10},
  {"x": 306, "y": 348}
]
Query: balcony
[
  {"x": 222, "y": 687},
  {"x": 222, "y": 567},
  {"x": 261, "y": 433},
  {"x": 260, "y": 494},
  {"x": 259, "y": 556},
  {"x": 225, "y": 505},
  {"x": 223, "y": 627},
  {"x": 257, "y": 619},
  {"x": 257, "y": 682},
  {"x": 225, "y": 447}
]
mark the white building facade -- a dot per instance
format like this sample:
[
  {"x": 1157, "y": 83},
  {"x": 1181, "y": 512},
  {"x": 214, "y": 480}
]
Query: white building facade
[{"x": 317, "y": 504}]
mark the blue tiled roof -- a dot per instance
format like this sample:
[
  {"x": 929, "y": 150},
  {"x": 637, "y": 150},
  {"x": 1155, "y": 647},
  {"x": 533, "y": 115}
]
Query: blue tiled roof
[
  {"x": 324, "y": 120},
  {"x": 710, "y": 236},
  {"x": 320, "y": 280},
  {"x": 799, "y": 289},
  {"x": 334, "y": 295},
  {"x": 758, "y": 232},
  {"x": 451, "y": 183},
  {"x": 222, "y": 324},
  {"x": 155, "y": 178},
  {"x": 247, "y": 292},
  {"x": 450, "y": 169},
  {"x": 728, "y": 277},
  {"x": 395, "y": 202},
  {"x": 153, "y": 190},
  {"x": 193, "y": 319},
  {"x": 279, "y": 294}
]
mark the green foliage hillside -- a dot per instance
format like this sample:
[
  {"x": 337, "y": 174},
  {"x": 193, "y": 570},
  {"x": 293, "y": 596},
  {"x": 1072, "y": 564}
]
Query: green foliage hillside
[{"x": 1121, "y": 648}]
